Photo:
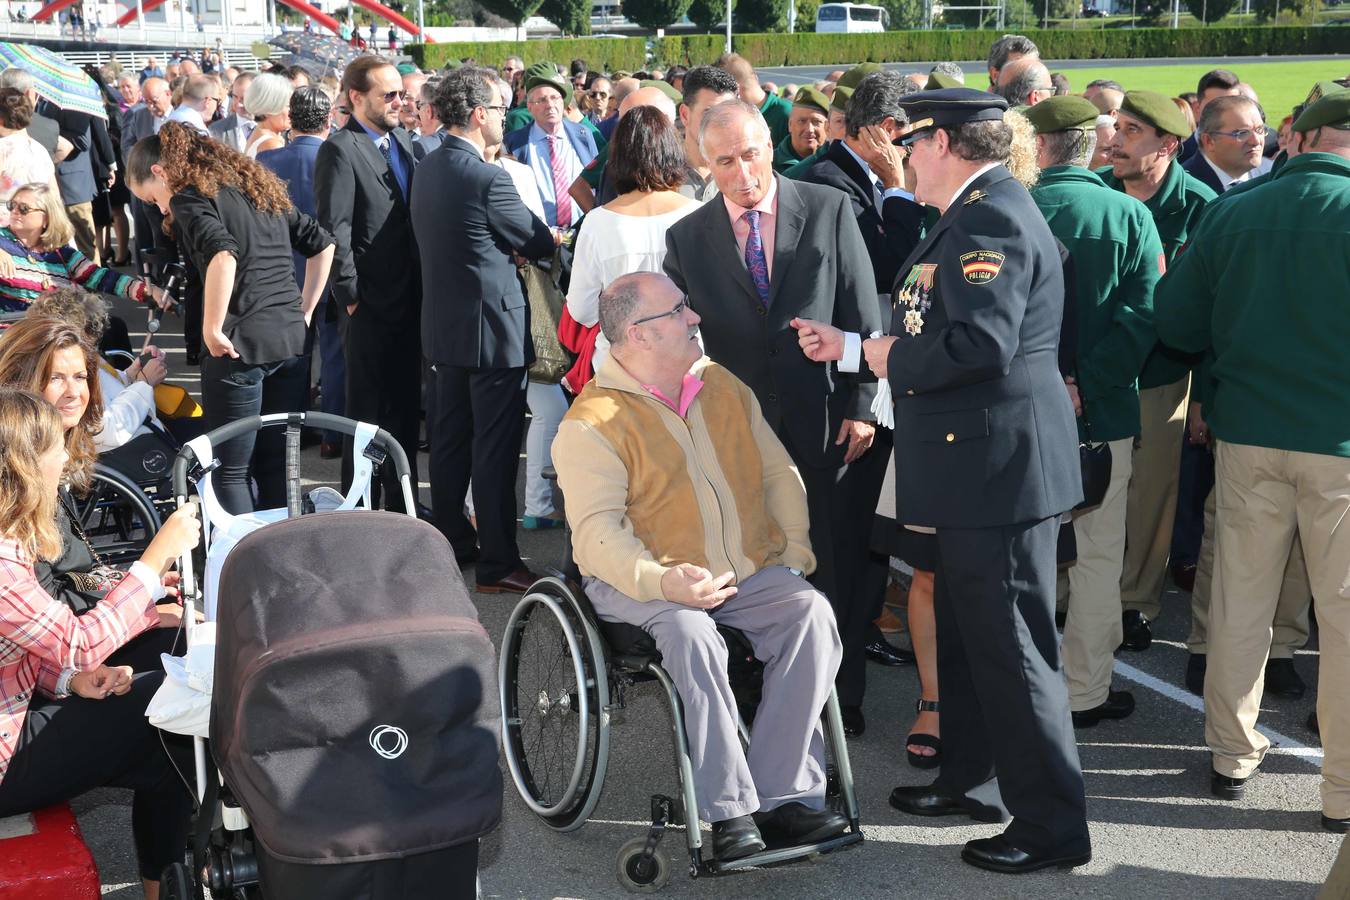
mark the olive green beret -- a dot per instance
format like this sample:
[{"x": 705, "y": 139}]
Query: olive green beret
[
  {"x": 1061, "y": 114},
  {"x": 1320, "y": 90},
  {"x": 809, "y": 96},
  {"x": 406, "y": 68},
  {"x": 856, "y": 74},
  {"x": 840, "y": 99},
  {"x": 545, "y": 73},
  {"x": 663, "y": 88},
  {"x": 1332, "y": 111},
  {"x": 939, "y": 80},
  {"x": 1157, "y": 110}
]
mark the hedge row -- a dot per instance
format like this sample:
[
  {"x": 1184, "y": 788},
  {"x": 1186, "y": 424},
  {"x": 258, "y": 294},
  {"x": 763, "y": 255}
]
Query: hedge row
[
  {"x": 899, "y": 46},
  {"x": 609, "y": 54}
]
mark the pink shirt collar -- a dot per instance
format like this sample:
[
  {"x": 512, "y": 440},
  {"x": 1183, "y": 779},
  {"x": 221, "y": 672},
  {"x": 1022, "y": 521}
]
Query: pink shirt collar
[
  {"x": 767, "y": 204},
  {"x": 689, "y": 389}
]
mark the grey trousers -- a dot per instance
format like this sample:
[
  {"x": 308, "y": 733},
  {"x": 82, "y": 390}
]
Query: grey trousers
[{"x": 791, "y": 627}]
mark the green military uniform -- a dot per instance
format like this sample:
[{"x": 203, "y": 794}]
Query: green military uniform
[
  {"x": 776, "y": 111},
  {"x": 784, "y": 157},
  {"x": 516, "y": 118},
  {"x": 838, "y": 103},
  {"x": 1263, "y": 284},
  {"x": 1151, "y": 503},
  {"x": 784, "y": 154},
  {"x": 1117, "y": 259}
]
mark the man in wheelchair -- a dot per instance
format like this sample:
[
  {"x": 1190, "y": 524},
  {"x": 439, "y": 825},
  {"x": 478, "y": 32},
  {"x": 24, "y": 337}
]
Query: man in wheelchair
[{"x": 686, "y": 512}]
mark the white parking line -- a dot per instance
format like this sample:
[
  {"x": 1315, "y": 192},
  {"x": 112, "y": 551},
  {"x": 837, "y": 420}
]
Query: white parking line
[{"x": 1279, "y": 743}]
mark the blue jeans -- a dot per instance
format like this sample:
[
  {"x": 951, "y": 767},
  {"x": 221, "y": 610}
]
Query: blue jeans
[{"x": 233, "y": 389}]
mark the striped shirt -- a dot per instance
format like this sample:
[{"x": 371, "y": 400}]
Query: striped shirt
[
  {"x": 40, "y": 636},
  {"x": 36, "y": 271}
]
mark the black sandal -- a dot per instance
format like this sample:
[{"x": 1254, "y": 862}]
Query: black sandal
[{"x": 919, "y": 739}]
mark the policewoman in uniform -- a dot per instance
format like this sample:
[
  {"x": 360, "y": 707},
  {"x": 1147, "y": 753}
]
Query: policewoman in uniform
[
  {"x": 1278, "y": 410},
  {"x": 1149, "y": 130},
  {"x": 1117, "y": 259},
  {"x": 986, "y": 453}
]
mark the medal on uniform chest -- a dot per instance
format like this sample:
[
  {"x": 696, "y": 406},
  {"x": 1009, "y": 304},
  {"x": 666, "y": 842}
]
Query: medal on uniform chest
[{"x": 914, "y": 296}]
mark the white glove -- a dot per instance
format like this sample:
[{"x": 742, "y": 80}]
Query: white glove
[{"x": 883, "y": 407}]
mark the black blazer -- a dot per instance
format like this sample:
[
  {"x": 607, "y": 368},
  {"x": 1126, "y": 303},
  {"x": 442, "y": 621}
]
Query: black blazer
[
  {"x": 820, "y": 271},
  {"x": 469, "y": 220},
  {"x": 984, "y": 431},
  {"x": 890, "y": 232},
  {"x": 1198, "y": 168},
  {"x": 360, "y": 204}
]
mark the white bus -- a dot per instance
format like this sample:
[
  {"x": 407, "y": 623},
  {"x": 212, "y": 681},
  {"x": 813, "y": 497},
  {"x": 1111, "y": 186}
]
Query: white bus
[{"x": 850, "y": 17}]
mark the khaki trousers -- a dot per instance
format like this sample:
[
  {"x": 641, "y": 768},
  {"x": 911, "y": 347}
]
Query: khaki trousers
[
  {"x": 1152, "y": 499},
  {"x": 82, "y": 218},
  {"x": 1291, "y": 624},
  {"x": 1337, "y": 886},
  {"x": 1092, "y": 630},
  {"x": 1264, "y": 495}
]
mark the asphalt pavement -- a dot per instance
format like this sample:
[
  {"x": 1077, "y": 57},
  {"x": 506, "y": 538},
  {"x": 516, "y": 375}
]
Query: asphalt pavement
[{"x": 1156, "y": 831}]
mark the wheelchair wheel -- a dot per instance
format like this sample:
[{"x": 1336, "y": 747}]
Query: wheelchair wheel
[
  {"x": 117, "y": 517},
  {"x": 554, "y": 699},
  {"x": 638, "y": 878},
  {"x": 177, "y": 883}
]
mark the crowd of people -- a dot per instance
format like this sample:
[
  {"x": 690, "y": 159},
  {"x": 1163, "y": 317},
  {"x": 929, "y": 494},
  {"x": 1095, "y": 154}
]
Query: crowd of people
[{"x": 1044, "y": 347}]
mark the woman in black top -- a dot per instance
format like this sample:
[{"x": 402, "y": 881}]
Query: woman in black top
[{"x": 238, "y": 226}]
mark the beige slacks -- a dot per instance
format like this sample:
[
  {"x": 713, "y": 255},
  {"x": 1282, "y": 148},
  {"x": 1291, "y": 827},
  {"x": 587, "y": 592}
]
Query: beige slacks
[
  {"x": 82, "y": 218},
  {"x": 1152, "y": 500},
  {"x": 1264, "y": 495},
  {"x": 1337, "y": 886},
  {"x": 1290, "y": 629},
  {"x": 1092, "y": 629}
]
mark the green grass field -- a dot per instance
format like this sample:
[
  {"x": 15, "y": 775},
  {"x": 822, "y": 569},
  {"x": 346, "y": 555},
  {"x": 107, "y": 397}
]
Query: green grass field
[{"x": 1280, "y": 85}]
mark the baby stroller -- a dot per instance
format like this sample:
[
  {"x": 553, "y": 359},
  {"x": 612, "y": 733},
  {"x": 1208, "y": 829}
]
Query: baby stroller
[{"x": 353, "y": 716}]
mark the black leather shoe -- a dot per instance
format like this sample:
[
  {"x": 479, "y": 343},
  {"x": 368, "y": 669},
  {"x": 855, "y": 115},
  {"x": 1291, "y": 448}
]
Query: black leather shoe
[
  {"x": 1137, "y": 632},
  {"x": 997, "y": 854},
  {"x": 1184, "y": 576},
  {"x": 735, "y": 838},
  {"x": 1195, "y": 673},
  {"x": 796, "y": 823},
  {"x": 1282, "y": 679},
  {"x": 854, "y": 723},
  {"x": 923, "y": 800},
  {"x": 1060, "y": 619},
  {"x": 1312, "y": 723},
  {"x": 1118, "y": 705},
  {"x": 887, "y": 654},
  {"x": 1336, "y": 826},
  {"x": 1226, "y": 788}
]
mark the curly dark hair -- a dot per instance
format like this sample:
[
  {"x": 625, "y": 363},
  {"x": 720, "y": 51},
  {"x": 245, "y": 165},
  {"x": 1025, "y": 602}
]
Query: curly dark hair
[
  {"x": 647, "y": 154},
  {"x": 15, "y": 110},
  {"x": 190, "y": 158}
]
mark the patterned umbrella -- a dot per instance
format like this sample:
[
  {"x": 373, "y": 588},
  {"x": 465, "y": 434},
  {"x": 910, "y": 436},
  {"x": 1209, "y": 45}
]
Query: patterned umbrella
[
  {"x": 57, "y": 81},
  {"x": 328, "y": 51}
]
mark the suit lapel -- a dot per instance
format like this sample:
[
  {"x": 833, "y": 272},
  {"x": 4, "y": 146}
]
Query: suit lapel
[
  {"x": 721, "y": 242},
  {"x": 787, "y": 232},
  {"x": 366, "y": 149},
  {"x": 849, "y": 166},
  {"x": 994, "y": 175}
]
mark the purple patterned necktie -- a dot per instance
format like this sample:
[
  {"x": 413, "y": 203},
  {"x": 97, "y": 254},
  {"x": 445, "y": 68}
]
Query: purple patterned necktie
[{"x": 754, "y": 257}]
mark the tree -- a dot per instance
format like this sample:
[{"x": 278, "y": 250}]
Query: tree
[
  {"x": 1266, "y": 10},
  {"x": 1026, "y": 13},
  {"x": 1210, "y": 11},
  {"x": 571, "y": 16},
  {"x": 654, "y": 13},
  {"x": 904, "y": 14},
  {"x": 758, "y": 16},
  {"x": 707, "y": 14},
  {"x": 513, "y": 11}
]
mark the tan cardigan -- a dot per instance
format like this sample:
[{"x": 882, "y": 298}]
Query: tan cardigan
[{"x": 646, "y": 489}]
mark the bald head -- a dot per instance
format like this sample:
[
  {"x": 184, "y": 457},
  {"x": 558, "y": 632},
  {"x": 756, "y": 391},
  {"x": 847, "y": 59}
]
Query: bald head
[
  {"x": 155, "y": 92},
  {"x": 625, "y": 299},
  {"x": 1025, "y": 81},
  {"x": 649, "y": 96}
]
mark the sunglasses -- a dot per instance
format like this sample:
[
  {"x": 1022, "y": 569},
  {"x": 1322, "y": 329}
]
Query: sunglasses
[
  {"x": 391, "y": 96},
  {"x": 22, "y": 209},
  {"x": 343, "y": 110}
]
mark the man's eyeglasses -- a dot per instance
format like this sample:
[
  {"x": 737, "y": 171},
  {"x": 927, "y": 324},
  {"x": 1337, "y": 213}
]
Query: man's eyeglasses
[
  {"x": 22, "y": 209},
  {"x": 909, "y": 140},
  {"x": 599, "y": 95},
  {"x": 342, "y": 110},
  {"x": 498, "y": 107},
  {"x": 1242, "y": 134},
  {"x": 679, "y": 308},
  {"x": 391, "y": 96},
  {"x": 421, "y": 105}
]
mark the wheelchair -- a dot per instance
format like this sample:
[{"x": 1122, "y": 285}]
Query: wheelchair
[{"x": 564, "y": 672}]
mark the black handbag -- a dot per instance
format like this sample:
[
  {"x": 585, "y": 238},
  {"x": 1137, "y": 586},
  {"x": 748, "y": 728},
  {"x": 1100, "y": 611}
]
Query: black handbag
[{"x": 1095, "y": 462}]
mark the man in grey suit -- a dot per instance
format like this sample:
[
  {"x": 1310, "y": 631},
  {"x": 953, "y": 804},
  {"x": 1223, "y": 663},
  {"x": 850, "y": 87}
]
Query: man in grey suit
[
  {"x": 141, "y": 121},
  {"x": 469, "y": 220},
  {"x": 234, "y": 129},
  {"x": 768, "y": 251}
]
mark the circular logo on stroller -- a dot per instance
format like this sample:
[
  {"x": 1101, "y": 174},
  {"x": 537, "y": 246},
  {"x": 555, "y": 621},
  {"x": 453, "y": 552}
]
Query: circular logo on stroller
[{"x": 388, "y": 740}]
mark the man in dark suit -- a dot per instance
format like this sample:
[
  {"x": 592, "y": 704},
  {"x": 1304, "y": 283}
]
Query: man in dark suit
[
  {"x": 234, "y": 129},
  {"x": 294, "y": 164},
  {"x": 867, "y": 167},
  {"x": 555, "y": 149},
  {"x": 363, "y": 178},
  {"x": 1231, "y": 134},
  {"x": 476, "y": 325},
  {"x": 769, "y": 250},
  {"x": 986, "y": 453},
  {"x": 141, "y": 121}
]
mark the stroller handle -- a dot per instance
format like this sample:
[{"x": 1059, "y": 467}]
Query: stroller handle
[{"x": 326, "y": 421}]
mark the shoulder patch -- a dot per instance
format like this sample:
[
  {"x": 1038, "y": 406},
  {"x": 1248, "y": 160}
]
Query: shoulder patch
[
  {"x": 975, "y": 197},
  {"x": 981, "y": 266}
]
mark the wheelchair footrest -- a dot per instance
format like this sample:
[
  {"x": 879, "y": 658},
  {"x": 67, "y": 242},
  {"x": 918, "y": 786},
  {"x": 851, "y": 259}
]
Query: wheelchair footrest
[{"x": 785, "y": 854}]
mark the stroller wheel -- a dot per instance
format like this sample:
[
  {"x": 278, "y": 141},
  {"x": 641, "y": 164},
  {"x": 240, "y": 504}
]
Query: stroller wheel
[
  {"x": 177, "y": 883},
  {"x": 638, "y": 877},
  {"x": 554, "y": 694}
]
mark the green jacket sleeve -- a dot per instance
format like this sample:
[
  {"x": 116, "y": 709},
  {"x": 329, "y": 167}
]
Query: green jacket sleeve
[
  {"x": 1116, "y": 360},
  {"x": 1183, "y": 302}
]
